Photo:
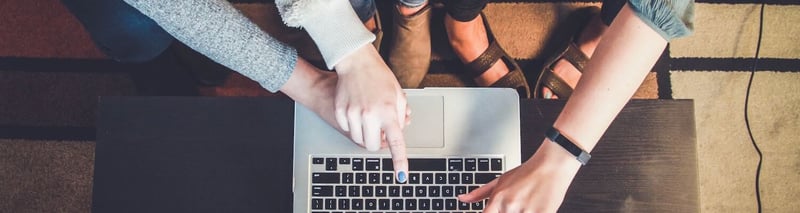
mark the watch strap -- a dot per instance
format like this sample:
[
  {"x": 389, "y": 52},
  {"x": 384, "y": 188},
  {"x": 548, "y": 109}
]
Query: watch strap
[{"x": 556, "y": 137}]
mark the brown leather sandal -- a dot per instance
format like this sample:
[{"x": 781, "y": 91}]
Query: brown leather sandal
[
  {"x": 571, "y": 53},
  {"x": 514, "y": 79}
]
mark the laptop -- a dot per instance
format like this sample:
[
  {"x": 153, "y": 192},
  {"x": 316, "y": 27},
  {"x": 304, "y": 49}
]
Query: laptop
[{"x": 458, "y": 140}]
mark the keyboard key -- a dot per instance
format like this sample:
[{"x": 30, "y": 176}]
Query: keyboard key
[
  {"x": 354, "y": 191},
  {"x": 413, "y": 178},
  {"x": 463, "y": 206},
  {"x": 470, "y": 164},
  {"x": 316, "y": 203},
  {"x": 397, "y": 204},
  {"x": 344, "y": 204},
  {"x": 388, "y": 165},
  {"x": 460, "y": 190},
  {"x": 374, "y": 178},
  {"x": 344, "y": 160},
  {"x": 437, "y": 204},
  {"x": 477, "y": 205},
  {"x": 366, "y": 191},
  {"x": 453, "y": 178},
  {"x": 330, "y": 204},
  {"x": 394, "y": 191},
  {"x": 380, "y": 191},
  {"x": 441, "y": 178},
  {"x": 347, "y": 178},
  {"x": 447, "y": 191},
  {"x": 318, "y": 177},
  {"x": 387, "y": 178},
  {"x": 451, "y": 204},
  {"x": 330, "y": 164},
  {"x": 483, "y": 164},
  {"x": 341, "y": 191},
  {"x": 427, "y": 164},
  {"x": 361, "y": 178},
  {"x": 358, "y": 164},
  {"x": 322, "y": 191},
  {"x": 455, "y": 164},
  {"x": 370, "y": 204},
  {"x": 373, "y": 164},
  {"x": 484, "y": 178},
  {"x": 424, "y": 204},
  {"x": 411, "y": 204},
  {"x": 318, "y": 160},
  {"x": 384, "y": 204},
  {"x": 420, "y": 191},
  {"x": 427, "y": 178},
  {"x": 433, "y": 191},
  {"x": 408, "y": 191},
  {"x": 497, "y": 164},
  {"x": 466, "y": 178},
  {"x": 357, "y": 204}
]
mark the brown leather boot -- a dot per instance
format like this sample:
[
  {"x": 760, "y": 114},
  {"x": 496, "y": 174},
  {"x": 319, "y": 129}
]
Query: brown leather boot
[{"x": 410, "y": 54}]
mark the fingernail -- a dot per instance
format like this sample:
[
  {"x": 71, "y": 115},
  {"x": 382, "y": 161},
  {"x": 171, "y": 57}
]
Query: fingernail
[
  {"x": 401, "y": 176},
  {"x": 548, "y": 94}
]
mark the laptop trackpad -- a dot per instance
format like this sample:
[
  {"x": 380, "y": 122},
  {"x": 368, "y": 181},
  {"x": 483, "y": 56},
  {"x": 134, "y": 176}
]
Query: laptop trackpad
[{"x": 427, "y": 122}]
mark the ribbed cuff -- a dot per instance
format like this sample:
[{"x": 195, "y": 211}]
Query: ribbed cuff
[{"x": 336, "y": 30}]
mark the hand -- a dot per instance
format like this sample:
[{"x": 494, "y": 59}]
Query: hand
[
  {"x": 538, "y": 185},
  {"x": 371, "y": 106}
]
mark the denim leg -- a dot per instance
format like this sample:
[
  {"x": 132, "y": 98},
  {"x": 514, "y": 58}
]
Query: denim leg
[
  {"x": 365, "y": 9},
  {"x": 412, "y": 3},
  {"x": 670, "y": 18},
  {"x": 119, "y": 30}
]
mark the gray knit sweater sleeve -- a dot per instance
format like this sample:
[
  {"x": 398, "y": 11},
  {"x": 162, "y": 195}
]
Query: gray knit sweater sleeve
[{"x": 218, "y": 30}]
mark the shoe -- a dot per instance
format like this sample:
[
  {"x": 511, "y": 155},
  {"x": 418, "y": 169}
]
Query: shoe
[
  {"x": 514, "y": 79},
  {"x": 410, "y": 54},
  {"x": 570, "y": 52},
  {"x": 378, "y": 31}
]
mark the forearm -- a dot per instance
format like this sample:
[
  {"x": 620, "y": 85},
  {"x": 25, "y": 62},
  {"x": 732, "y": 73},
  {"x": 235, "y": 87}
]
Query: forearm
[
  {"x": 620, "y": 63},
  {"x": 218, "y": 30},
  {"x": 312, "y": 88}
]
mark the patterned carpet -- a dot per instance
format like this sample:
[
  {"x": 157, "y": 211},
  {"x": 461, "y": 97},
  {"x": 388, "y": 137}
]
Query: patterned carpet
[{"x": 51, "y": 75}]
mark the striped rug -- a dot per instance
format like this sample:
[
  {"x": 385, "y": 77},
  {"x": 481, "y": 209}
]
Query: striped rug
[{"x": 51, "y": 75}]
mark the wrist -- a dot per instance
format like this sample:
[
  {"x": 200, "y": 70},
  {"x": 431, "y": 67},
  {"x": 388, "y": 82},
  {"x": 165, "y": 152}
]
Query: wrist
[
  {"x": 358, "y": 58},
  {"x": 555, "y": 157}
]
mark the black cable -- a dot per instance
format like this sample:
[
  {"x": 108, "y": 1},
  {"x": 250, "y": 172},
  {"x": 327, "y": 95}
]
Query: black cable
[{"x": 747, "y": 102}]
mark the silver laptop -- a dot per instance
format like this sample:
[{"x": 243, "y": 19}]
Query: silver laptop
[{"x": 458, "y": 140}]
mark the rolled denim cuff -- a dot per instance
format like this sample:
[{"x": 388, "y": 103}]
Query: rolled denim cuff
[
  {"x": 365, "y": 9},
  {"x": 411, "y": 3},
  {"x": 670, "y": 18}
]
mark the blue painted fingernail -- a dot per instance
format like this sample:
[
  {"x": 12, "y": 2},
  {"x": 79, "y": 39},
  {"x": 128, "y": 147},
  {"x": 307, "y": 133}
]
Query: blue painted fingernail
[{"x": 401, "y": 176}]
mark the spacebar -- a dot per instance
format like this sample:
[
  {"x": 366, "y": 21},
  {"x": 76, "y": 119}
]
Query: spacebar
[{"x": 427, "y": 164}]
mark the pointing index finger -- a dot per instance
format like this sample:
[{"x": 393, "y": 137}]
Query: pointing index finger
[{"x": 397, "y": 146}]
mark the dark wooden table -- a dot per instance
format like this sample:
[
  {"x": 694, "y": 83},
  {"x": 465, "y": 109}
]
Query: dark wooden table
[{"x": 201, "y": 154}]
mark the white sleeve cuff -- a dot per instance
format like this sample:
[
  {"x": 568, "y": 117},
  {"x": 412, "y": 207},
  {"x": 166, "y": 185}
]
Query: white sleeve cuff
[{"x": 332, "y": 24}]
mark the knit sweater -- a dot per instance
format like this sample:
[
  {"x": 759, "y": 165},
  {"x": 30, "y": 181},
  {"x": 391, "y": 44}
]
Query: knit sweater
[{"x": 218, "y": 30}]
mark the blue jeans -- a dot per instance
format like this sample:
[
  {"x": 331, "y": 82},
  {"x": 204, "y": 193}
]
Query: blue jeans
[
  {"x": 365, "y": 9},
  {"x": 126, "y": 35},
  {"x": 119, "y": 30}
]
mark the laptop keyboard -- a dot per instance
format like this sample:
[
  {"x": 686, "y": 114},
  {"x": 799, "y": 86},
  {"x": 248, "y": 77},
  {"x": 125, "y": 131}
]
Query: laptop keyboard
[{"x": 368, "y": 184}]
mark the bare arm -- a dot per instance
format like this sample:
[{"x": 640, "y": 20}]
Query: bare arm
[{"x": 623, "y": 58}]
